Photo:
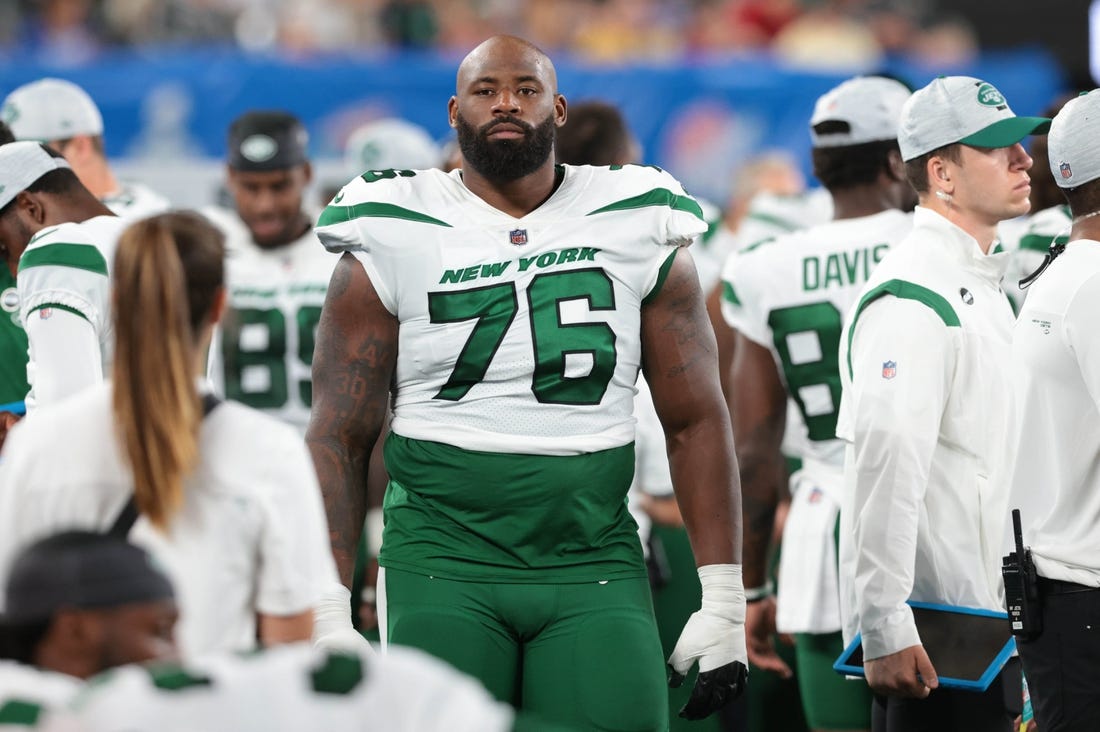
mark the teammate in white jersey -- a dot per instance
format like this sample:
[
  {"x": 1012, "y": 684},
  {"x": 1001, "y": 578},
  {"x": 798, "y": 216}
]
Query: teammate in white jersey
[
  {"x": 60, "y": 239},
  {"x": 63, "y": 117},
  {"x": 277, "y": 271},
  {"x": 787, "y": 299},
  {"x": 1054, "y": 449},
  {"x": 511, "y": 305},
  {"x": 76, "y": 604},
  {"x": 290, "y": 689},
  {"x": 924, "y": 357},
  {"x": 225, "y": 498}
]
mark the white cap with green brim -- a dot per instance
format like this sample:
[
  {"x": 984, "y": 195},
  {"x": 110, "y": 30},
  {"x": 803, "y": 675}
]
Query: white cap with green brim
[
  {"x": 961, "y": 109},
  {"x": 21, "y": 164},
  {"x": 51, "y": 109},
  {"x": 1071, "y": 144}
]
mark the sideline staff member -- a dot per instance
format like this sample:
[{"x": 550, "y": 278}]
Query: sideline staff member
[
  {"x": 924, "y": 411},
  {"x": 1055, "y": 366}
]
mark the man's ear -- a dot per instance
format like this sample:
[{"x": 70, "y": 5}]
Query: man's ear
[{"x": 32, "y": 206}]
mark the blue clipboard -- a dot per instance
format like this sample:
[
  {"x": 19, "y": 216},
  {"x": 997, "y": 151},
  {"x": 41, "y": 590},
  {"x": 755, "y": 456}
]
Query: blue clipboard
[
  {"x": 967, "y": 646},
  {"x": 14, "y": 407}
]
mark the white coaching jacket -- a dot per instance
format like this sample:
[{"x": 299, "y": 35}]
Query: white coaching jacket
[{"x": 926, "y": 413}]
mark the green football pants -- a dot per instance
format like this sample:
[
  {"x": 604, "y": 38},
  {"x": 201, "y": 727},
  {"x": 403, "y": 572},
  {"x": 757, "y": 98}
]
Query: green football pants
[{"x": 585, "y": 655}]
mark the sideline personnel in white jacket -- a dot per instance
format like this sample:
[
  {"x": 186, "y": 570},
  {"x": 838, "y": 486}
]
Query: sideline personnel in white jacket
[{"x": 925, "y": 408}]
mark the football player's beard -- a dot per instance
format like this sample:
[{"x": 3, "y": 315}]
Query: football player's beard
[{"x": 506, "y": 160}]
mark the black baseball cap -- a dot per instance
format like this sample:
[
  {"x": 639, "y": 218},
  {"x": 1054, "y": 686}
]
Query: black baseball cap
[
  {"x": 80, "y": 570},
  {"x": 264, "y": 140}
]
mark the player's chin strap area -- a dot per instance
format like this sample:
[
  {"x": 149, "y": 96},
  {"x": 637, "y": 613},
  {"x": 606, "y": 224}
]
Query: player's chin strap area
[
  {"x": 332, "y": 627},
  {"x": 714, "y": 636}
]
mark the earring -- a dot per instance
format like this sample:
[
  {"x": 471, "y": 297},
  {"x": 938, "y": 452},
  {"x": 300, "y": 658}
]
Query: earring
[{"x": 944, "y": 196}]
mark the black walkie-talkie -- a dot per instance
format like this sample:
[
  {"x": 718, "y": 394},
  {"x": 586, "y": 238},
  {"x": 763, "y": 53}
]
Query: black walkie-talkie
[{"x": 1021, "y": 587}]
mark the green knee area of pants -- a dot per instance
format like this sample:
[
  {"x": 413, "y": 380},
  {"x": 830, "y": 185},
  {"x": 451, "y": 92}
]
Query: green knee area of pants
[
  {"x": 582, "y": 654},
  {"x": 829, "y": 700}
]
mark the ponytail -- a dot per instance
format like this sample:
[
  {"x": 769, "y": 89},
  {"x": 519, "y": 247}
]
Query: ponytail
[{"x": 164, "y": 283}]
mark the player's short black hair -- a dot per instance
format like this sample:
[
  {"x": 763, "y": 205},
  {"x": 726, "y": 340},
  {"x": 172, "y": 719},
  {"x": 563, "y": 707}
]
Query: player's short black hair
[
  {"x": 1083, "y": 199},
  {"x": 594, "y": 133},
  {"x": 6, "y": 134},
  {"x": 850, "y": 165}
]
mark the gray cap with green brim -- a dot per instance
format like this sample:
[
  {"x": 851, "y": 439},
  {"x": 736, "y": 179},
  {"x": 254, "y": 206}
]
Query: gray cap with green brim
[
  {"x": 1071, "y": 145},
  {"x": 961, "y": 109}
]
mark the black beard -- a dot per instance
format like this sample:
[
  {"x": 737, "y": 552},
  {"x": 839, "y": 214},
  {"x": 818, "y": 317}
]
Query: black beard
[{"x": 505, "y": 160}]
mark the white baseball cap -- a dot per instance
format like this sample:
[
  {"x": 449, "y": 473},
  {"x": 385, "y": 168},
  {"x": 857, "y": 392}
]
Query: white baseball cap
[
  {"x": 1071, "y": 142},
  {"x": 51, "y": 109},
  {"x": 961, "y": 109},
  {"x": 869, "y": 105},
  {"x": 390, "y": 143},
  {"x": 21, "y": 164}
]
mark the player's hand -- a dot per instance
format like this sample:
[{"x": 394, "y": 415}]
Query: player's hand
[
  {"x": 332, "y": 628},
  {"x": 907, "y": 673},
  {"x": 760, "y": 635},
  {"x": 7, "y": 421},
  {"x": 714, "y": 636}
]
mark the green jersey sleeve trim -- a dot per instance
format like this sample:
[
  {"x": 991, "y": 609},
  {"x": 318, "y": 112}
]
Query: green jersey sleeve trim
[
  {"x": 662, "y": 275},
  {"x": 730, "y": 294},
  {"x": 77, "y": 256},
  {"x": 17, "y": 712},
  {"x": 342, "y": 214},
  {"x": 1040, "y": 242},
  {"x": 656, "y": 197},
  {"x": 59, "y": 306},
  {"x": 904, "y": 291}
]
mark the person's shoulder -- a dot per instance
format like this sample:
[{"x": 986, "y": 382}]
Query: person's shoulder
[
  {"x": 267, "y": 432},
  {"x": 33, "y": 689},
  {"x": 417, "y": 197},
  {"x": 617, "y": 181},
  {"x": 68, "y": 423}
]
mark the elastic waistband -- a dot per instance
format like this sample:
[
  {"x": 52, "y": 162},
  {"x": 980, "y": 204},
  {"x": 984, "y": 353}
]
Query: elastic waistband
[{"x": 1061, "y": 587}]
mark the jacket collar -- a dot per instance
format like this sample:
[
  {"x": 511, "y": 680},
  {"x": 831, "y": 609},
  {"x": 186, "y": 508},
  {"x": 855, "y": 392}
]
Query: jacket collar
[{"x": 961, "y": 247}]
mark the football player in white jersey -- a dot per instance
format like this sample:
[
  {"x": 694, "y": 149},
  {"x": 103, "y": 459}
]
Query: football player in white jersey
[
  {"x": 63, "y": 117},
  {"x": 60, "y": 239},
  {"x": 786, "y": 299},
  {"x": 292, "y": 688},
  {"x": 511, "y": 305},
  {"x": 277, "y": 271},
  {"x": 75, "y": 604}
]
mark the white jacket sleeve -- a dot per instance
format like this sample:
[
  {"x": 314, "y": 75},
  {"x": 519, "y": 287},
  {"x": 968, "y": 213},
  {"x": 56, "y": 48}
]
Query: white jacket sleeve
[
  {"x": 902, "y": 360},
  {"x": 1080, "y": 334}
]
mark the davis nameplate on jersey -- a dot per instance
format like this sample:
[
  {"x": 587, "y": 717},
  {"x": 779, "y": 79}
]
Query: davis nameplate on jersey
[
  {"x": 518, "y": 237},
  {"x": 889, "y": 369}
]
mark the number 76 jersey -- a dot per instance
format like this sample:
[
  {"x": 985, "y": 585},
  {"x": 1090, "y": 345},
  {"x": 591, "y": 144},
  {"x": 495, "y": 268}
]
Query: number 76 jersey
[{"x": 516, "y": 335}]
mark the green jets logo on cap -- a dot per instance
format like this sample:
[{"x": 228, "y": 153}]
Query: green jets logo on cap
[
  {"x": 989, "y": 96},
  {"x": 259, "y": 148}
]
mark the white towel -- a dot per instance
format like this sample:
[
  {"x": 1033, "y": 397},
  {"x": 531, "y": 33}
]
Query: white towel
[{"x": 808, "y": 598}]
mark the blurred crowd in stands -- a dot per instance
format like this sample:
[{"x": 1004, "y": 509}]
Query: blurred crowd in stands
[{"x": 838, "y": 33}]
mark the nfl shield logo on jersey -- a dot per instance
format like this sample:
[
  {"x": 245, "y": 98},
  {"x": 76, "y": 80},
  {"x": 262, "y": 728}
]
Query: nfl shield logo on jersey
[
  {"x": 518, "y": 237},
  {"x": 1065, "y": 170},
  {"x": 889, "y": 369}
]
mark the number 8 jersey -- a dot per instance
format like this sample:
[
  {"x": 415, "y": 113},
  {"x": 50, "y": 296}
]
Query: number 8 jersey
[{"x": 516, "y": 335}]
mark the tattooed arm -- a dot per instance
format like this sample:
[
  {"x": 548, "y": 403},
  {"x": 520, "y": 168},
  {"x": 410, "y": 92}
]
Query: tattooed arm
[
  {"x": 353, "y": 365},
  {"x": 758, "y": 405},
  {"x": 679, "y": 358}
]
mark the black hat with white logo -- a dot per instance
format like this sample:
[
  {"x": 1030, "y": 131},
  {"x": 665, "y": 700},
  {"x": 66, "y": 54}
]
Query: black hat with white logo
[{"x": 264, "y": 140}]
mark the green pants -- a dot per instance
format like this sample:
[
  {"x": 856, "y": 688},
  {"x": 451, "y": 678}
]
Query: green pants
[
  {"x": 829, "y": 700},
  {"x": 585, "y": 655}
]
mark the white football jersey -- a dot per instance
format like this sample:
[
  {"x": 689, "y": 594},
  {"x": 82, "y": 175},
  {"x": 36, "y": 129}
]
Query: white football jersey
[
  {"x": 263, "y": 354},
  {"x": 516, "y": 334},
  {"x": 771, "y": 215},
  {"x": 67, "y": 267},
  {"x": 290, "y": 688},
  {"x": 28, "y": 693},
  {"x": 791, "y": 295},
  {"x": 135, "y": 201}
]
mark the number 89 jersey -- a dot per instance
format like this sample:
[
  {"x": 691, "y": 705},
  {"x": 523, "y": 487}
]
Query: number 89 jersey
[
  {"x": 791, "y": 295},
  {"x": 516, "y": 335},
  {"x": 263, "y": 353}
]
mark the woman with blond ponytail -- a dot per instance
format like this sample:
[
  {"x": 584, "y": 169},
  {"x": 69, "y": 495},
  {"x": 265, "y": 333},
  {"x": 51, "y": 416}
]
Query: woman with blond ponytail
[{"x": 224, "y": 497}]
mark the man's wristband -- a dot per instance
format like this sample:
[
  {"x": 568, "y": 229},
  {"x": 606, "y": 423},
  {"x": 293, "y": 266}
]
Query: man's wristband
[{"x": 756, "y": 594}]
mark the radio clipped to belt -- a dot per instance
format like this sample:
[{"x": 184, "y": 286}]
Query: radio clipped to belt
[{"x": 1021, "y": 587}]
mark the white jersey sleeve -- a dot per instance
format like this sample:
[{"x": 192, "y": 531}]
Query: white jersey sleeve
[
  {"x": 28, "y": 694},
  {"x": 289, "y": 688},
  {"x": 135, "y": 201},
  {"x": 65, "y": 268},
  {"x": 516, "y": 335}
]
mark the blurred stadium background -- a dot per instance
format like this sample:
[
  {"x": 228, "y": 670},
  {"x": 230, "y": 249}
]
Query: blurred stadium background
[{"x": 705, "y": 84}]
